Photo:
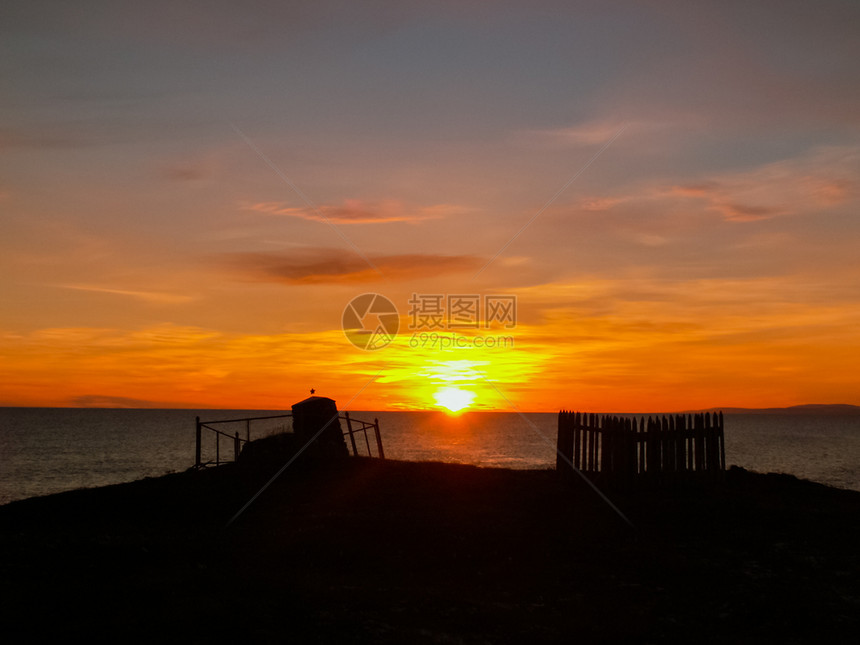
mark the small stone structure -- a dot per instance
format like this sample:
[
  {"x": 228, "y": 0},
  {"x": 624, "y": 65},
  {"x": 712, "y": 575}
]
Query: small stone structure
[{"x": 317, "y": 416}]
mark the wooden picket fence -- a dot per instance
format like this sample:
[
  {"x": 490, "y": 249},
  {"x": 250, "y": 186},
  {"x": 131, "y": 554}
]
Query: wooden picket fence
[{"x": 614, "y": 448}]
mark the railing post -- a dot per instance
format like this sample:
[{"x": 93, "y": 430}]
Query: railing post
[
  {"x": 236, "y": 447},
  {"x": 699, "y": 423},
  {"x": 378, "y": 439},
  {"x": 560, "y": 440},
  {"x": 351, "y": 436},
  {"x": 197, "y": 445},
  {"x": 247, "y": 430},
  {"x": 217, "y": 448}
]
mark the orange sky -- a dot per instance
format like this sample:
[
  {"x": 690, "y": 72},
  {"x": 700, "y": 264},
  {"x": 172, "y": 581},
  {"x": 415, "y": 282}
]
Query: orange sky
[{"x": 188, "y": 206}]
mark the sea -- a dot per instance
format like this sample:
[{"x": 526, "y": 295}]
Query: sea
[{"x": 50, "y": 450}]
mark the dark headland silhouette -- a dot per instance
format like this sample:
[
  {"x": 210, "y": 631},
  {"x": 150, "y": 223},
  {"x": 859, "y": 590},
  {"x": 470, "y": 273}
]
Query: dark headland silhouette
[
  {"x": 809, "y": 408},
  {"x": 357, "y": 549}
]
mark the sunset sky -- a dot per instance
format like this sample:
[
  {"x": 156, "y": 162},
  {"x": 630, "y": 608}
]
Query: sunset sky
[{"x": 192, "y": 192}]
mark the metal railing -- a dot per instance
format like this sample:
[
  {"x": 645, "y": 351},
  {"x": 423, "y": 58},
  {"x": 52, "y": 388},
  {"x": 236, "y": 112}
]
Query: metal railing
[
  {"x": 363, "y": 427},
  {"x": 237, "y": 441},
  {"x": 354, "y": 427}
]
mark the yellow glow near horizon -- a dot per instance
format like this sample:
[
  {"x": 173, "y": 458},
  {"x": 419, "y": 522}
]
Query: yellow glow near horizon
[
  {"x": 453, "y": 399},
  {"x": 603, "y": 361}
]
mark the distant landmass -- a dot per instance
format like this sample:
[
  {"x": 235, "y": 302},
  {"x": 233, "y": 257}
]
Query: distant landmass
[{"x": 841, "y": 409}]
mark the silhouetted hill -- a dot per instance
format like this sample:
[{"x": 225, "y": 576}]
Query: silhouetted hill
[
  {"x": 836, "y": 409},
  {"x": 394, "y": 552}
]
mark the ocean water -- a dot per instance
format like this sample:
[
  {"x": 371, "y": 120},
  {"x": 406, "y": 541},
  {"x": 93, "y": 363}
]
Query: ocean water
[{"x": 48, "y": 450}]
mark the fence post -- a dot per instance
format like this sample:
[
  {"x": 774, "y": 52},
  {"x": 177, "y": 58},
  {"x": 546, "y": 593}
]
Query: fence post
[
  {"x": 712, "y": 443},
  {"x": 351, "y": 436},
  {"x": 632, "y": 449},
  {"x": 364, "y": 425},
  {"x": 197, "y": 445},
  {"x": 248, "y": 430},
  {"x": 564, "y": 441},
  {"x": 586, "y": 444},
  {"x": 673, "y": 450},
  {"x": 605, "y": 444},
  {"x": 722, "y": 444},
  {"x": 592, "y": 436},
  {"x": 217, "y": 448},
  {"x": 378, "y": 438},
  {"x": 559, "y": 441},
  {"x": 667, "y": 448},
  {"x": 649, "y": 446},
  {"x": 699, "y": 422},
  {"x": 691, "y": 433},
  {"x": 236, "y": 447}
]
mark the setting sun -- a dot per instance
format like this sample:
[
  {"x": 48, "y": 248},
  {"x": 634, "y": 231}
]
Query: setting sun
[{"x": 454, "y": 399}]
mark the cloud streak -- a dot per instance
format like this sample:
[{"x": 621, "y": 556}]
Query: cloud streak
[
  {"x": 355, "y": 211},
  {"x": 803, "y": 185},
  {"x": 325, "y": 265},
  {"x": 107, "y": 401},
  {"x": 153, "y": 297}
]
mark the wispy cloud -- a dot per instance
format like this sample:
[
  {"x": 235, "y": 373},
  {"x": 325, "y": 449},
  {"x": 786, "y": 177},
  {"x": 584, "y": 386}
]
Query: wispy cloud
[
  {"x": 803, "y": 185},
  {"x": 598, "y": 204},
  {"x": 324, "y": 265},
  {"x": 583, "y": 134},
  {"x": 163, "y": 365},
  {"x": 597, "y": 132},
  {"x": 355, "y": 211},
  {"x": 186, "y": 172},
  {"x": 107, "y": 401},
  {"x": 155, "y": 297}
]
